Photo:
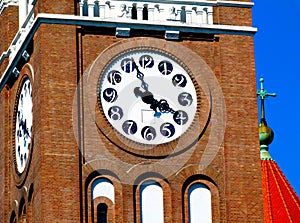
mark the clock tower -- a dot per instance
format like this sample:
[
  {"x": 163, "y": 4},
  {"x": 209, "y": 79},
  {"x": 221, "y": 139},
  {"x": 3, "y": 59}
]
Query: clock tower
[{"x": 128, "y": 111}]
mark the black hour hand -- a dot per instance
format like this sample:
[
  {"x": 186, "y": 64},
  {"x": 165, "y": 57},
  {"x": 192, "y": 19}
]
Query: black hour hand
[{"x": 147, "y": 96}]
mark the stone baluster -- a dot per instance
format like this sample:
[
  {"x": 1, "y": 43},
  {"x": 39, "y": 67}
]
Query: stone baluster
[
  {"x": 112, "y": 11},
  {"x": 194, "y": 15},
  {"x": 209, "y": 17},
  {"x": 156, "y": 13},
  {"x": 205, "y": 17},
  {"x": 162, "y": 14},
  {"x": 91, "y": 8},
  {"x": 139, "y": 10},
  {"x": 102, "y": 11},
  {"x": 189, "y": 16},
  {"x": 81, "y": 7},
  {"x": 108, "y": 10},
  {"x": 199, "y": 17},
  {"x": 151, "y": 13},
  {"x": 130, "y": 10}
]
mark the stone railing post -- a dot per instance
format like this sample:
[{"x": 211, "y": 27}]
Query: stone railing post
[
  {"x": 91, "y": 8},
  {"x": 151, "y": 14},
  {"x": 139, "y": 10},
  {"x": 156, "y": 13},
  {"x": 199, "y": 17},
  {"x": 102, "y": 11},
  {"x": 189, "y": 16},
  {"x": 81, "y": 3}
]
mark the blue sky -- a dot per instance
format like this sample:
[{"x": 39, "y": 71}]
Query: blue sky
[{"x": 277, "y": 58}]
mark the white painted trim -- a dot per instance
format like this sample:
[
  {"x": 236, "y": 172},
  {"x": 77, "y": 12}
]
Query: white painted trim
[{"x": 6, "y": 3}]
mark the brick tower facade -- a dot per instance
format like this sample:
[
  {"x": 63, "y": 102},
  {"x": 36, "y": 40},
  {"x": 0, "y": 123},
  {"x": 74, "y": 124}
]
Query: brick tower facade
[{"x": 64, "y": 159}]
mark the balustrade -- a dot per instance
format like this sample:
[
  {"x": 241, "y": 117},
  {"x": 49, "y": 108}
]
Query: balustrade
[{"x": 190, "y": 13}]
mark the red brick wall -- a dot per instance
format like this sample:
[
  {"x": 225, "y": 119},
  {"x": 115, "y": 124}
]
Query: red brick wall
[{"x": 9, "y": 23}]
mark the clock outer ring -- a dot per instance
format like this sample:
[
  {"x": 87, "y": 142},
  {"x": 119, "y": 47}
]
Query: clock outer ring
[
  {"x": 26, "y": 73},
  {"x": 179, "y": 54}
]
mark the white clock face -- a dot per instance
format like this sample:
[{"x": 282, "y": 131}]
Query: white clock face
[
  {"x": 23, "y": 133},
  {"x": 148, "y": 97}
]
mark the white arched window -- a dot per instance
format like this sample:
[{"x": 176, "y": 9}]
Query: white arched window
[
  {"x": 199, "y": 204},
  {"x": 103, "y": 187},
  {"x": 151, "y": 203}
]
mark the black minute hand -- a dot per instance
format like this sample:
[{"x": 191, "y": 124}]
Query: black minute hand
[
  {"x": 159, "y": 107},
  {"x": 140, "y": 76}
]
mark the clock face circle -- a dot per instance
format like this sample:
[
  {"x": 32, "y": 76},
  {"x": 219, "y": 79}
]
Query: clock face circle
[
  {"x": 148, "y": 97},
  {"x": 23, "y": 133}
]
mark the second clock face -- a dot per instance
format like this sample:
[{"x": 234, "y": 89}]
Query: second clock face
[
  {"x": 23, "y": 134},
  {"x": 148, "y": 96}
]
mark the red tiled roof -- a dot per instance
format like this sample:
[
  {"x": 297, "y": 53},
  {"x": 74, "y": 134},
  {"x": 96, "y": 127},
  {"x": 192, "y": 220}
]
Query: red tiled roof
[{"x": 281, "y": 203}]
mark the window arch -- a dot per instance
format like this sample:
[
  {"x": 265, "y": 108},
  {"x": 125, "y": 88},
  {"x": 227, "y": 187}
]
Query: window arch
[
  {"x": 103, "y": 187},
  {"x": 151, "y": 202},
  {"x": 199, "y": 204}
]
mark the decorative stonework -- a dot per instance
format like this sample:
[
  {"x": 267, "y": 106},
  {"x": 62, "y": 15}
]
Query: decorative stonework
[{"x": 191, "y": 12}]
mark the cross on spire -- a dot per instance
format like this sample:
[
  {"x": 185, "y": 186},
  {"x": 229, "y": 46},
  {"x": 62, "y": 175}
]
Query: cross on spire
[{"x": 262, "y": 94}]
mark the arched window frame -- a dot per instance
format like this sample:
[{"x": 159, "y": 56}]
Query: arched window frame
[
  {"x": 106, "y": 185},
  {"x": 107, "y": 200},
  {"x": 116, "y": 207},
  {"x": 215, "y": 206},
  {"x": 167, "y": 198}
]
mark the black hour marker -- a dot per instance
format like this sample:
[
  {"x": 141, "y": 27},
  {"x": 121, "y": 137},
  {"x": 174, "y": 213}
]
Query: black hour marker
[
  {"x": 115, "y": 113},
  {"x": 148, "y": 133},
  {"x": 127, "y": 65},
  {"x": 146, "y": 61},
  {"x": 167, "y": 130},
  {"x": 110, "y": 95},
  {"x": 185, "y": 99},
  {"x": 114, "y": 77},
  {"x": 179, "y": 80},
  {"x": 165, "y": 67},
  {"x": 180, "y": 117},
  {"x": 129, "y": 127}
]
